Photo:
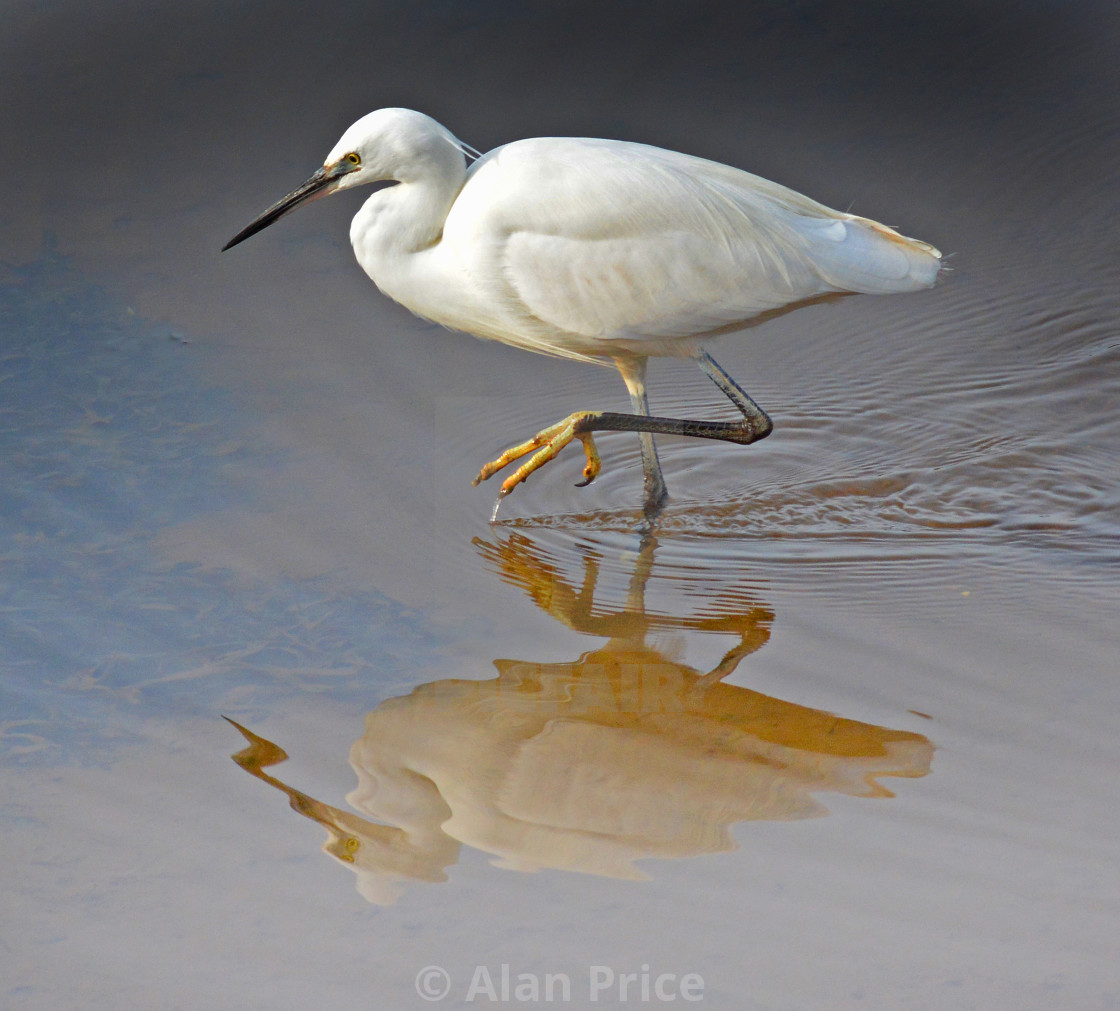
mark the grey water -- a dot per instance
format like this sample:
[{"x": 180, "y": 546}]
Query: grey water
[{"x": 839, "y": 732}]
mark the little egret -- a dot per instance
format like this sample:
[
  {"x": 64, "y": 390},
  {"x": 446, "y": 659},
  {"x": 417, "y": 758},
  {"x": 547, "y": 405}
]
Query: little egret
[{"x": 597, "y": 250}]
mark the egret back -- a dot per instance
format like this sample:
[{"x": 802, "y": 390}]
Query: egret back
[{"x": 582, "y": 242}]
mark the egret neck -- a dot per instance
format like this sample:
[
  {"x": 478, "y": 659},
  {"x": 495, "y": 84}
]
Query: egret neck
[{"x": 400, "y": 227}]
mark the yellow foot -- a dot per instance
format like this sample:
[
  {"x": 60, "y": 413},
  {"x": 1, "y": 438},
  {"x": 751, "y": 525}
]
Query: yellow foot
[{"x": 547, "y": 443}]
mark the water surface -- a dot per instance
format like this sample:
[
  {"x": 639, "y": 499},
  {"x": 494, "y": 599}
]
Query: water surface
[{"x": 839, "y": 732}]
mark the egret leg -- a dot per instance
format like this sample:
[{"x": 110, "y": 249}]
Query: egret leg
[
  {"x": 634, "y": 376},
  {"x": 754, "y": 425}
]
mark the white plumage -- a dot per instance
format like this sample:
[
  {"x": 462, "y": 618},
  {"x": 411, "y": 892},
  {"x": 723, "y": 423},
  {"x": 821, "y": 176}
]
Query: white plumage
[{"x": 595, "y": 249}]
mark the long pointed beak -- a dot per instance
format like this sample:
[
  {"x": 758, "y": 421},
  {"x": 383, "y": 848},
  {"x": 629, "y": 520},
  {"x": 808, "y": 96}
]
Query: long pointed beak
[{"x": 319, "y": 185}]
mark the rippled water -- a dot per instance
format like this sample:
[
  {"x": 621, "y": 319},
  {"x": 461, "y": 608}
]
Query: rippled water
[{"x": 838, "y": 731}]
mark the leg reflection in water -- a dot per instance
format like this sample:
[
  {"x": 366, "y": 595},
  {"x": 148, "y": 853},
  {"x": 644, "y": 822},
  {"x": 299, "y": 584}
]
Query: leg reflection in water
[{"x": 590, "y": 765}]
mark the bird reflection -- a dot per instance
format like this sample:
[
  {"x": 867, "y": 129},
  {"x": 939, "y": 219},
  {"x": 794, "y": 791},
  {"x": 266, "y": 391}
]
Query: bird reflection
[{"x": 590, "y": 765}]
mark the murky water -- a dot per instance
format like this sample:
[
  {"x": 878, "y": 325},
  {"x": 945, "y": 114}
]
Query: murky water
[{"x": 839, "y": 732}]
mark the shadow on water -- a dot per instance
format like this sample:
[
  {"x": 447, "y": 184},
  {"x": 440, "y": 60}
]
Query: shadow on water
[{"x": 592, "y": 764}]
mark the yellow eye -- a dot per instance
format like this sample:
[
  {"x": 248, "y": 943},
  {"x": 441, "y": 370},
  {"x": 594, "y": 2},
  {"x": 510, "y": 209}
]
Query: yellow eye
[{"x": 354, "y": 158}]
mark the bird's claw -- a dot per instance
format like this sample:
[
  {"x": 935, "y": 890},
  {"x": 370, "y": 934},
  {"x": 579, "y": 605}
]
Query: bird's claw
[
  {"x": 544, "y": 446},
  {"x": 594, "y": 463}
]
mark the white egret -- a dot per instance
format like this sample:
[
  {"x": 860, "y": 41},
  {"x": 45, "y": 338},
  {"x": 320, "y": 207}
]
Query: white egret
[{"x": 597, "y": 250}]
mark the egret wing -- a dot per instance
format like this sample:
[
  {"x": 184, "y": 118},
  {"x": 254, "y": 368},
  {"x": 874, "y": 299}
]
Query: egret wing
[{"x": 609, "y": 240}]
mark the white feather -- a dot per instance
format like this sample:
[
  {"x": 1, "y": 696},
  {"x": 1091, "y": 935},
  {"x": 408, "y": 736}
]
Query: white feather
[{"x": 591, "y": 248}]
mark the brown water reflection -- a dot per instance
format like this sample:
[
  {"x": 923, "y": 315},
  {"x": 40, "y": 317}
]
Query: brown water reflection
[{"x": 593, "y": 764}]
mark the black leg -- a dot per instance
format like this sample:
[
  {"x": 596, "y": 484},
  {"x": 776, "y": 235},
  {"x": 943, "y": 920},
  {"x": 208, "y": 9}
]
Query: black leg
[
  {"x": 633, "y": 372},
  {"x": 756, "y": 423}
]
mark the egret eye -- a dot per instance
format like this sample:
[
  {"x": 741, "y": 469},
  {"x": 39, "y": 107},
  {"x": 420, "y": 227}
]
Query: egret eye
[{"x": 354, "y": 158}]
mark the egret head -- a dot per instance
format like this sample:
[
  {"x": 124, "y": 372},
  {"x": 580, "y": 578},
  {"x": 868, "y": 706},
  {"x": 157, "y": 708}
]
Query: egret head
[
  {"x": 389, "y": 144},
  {"x": 396, "y": 144}
]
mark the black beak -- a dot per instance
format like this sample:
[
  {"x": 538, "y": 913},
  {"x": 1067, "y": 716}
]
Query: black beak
[{"x": 319, "y": 185}]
